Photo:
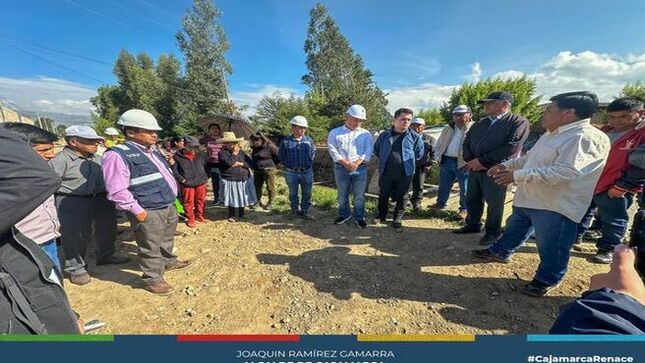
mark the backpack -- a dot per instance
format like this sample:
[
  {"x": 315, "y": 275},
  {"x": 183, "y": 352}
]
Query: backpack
[{"x": 32, "y": 299}]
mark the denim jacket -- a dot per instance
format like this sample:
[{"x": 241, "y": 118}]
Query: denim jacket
[{"x": 411, "y": 152}]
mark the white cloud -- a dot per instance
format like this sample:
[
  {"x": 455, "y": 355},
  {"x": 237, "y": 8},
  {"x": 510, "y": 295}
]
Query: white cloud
[
  {"x": 427, "y": 95},
  {"x": 601, "y": 73},
  {"x": 46, "y": 94},
  {"x": 252, "y": 97},
  {"x": 475, "y": 73}
]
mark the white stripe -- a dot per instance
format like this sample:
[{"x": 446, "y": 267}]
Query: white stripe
[{"x": 146, "y": 179}]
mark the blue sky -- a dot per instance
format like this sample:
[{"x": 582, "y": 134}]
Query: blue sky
[{"x": 418, "y": 50}]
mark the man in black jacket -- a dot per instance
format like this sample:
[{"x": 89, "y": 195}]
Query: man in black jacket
[
  {"x": 494, "y": 139},
  {"x": 32, "y": 300}
]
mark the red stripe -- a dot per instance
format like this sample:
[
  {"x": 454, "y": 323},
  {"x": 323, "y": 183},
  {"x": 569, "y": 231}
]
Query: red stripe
[{"x": 238, "y": 338}]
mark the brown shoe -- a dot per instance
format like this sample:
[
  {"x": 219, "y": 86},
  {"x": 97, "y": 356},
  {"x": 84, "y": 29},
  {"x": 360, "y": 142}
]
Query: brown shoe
[
  {"x": 177, "y": 265},
  {"x": 160, "y": 287},
  {"x": 462, "y": 214},
  {"x": 80, "y": 279}
]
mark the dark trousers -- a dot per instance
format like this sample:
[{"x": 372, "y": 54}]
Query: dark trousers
[
  {"x": 482, "y": 188},
  {"x": 395, "y": 187},
  {"x": 85, "y": 220},
  {"x": 418, "y": 180},
  {"x": 213, "y": 171},
  {"x": 265, "y": 176},
  {"x": 155, "y": 238},
  {"x": 613, "y": 219}
]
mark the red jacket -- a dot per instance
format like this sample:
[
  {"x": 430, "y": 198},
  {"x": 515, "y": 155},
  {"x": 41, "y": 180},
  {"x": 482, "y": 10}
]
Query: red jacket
[{"x": 618, "y": 170}]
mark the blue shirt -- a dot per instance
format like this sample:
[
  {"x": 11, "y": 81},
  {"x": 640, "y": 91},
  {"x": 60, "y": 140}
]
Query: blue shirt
[{"x": 294, "y": 154}]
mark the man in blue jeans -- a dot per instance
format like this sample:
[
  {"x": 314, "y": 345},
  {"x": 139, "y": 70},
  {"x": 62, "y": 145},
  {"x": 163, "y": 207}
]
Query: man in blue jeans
[
  {"x": 448, "y": 153},
  {"x": 351, "y": 147},
  {"x": 296, "y": 153},
  {"x": 555, "y": 182}
]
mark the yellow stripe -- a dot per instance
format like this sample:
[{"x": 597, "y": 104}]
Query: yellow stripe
[{"x": 416, "y": 338}]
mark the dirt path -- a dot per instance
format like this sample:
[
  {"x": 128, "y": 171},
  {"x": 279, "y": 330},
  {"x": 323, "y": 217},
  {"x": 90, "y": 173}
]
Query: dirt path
[{"x": 272, "y": 275}]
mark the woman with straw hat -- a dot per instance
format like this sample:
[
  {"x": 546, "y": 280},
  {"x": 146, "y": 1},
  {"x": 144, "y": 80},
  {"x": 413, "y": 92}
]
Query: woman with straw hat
[{"x": 236, "y": 181}]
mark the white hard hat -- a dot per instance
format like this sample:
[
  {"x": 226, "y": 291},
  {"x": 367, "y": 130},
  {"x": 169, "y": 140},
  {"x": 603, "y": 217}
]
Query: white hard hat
[
  {"x": 111, "y": 131},
  {"x": 418, "y": 121},
  {"x": 299, "y": 121},
  {"x": 357, "y": 111},
  {"x": 84, "y": 132},
  {"x": 461, "y": 109},
  {"x": 139, "y": 119}
]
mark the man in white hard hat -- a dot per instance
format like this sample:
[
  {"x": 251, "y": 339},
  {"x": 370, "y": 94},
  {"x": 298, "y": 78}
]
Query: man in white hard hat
[
  {"x": 351, "y": 147},
  {"x": 139, "y": 180},
  {"x": 423, "y": 165},
  {"x": 296, "y": 153},
  {"x": 111, "y": 137},
  {"x": 448, "y": 154},
  {"x": 85, "y": 214}
]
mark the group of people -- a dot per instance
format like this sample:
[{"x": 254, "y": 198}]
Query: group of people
[{"x": 572, "y": 173}]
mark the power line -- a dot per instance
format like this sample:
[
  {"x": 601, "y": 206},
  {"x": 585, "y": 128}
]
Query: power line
[
  {"x": 111, "y": 19},
  {"x": 51, "y": 62},
  {"x": 141, "y": 14},
  {"x": 25, "y": 42}
]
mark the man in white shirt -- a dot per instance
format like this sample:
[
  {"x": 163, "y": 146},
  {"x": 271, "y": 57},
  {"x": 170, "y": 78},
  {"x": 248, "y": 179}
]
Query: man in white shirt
[
  {"x": 351, "y": 147},
  {"x": 448, "y": 153},
  {"x": 555, "y": 183}
]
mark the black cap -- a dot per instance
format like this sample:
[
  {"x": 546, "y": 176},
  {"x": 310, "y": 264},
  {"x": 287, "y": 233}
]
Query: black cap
[
  {"x": 191, "y": 141},
  {"x": 498, "y": 96}
]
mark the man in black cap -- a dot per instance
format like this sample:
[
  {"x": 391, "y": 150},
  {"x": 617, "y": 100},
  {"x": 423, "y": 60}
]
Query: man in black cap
[{"x": 491, "y": 141}]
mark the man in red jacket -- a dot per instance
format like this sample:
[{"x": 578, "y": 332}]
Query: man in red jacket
[{"x": 623, "y": 175}]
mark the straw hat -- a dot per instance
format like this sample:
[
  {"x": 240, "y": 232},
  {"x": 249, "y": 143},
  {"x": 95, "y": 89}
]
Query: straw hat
[{"x": 229, "y": 137}]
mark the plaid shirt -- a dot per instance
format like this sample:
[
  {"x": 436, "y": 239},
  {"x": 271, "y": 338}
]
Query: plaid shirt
[{"x": 294, "y": 154}]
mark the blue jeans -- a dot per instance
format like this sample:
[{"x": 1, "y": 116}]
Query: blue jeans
[
  {"x": 447, "y": 174},
  {"x": 587, "y": 220},
  {"x": 613, "y": 219},
  {"x": 51, "y": 251},
  {"x": 305, "y": 181},
  {"x": 554, "y": 233},
  {"x": 354, "y": 182}
]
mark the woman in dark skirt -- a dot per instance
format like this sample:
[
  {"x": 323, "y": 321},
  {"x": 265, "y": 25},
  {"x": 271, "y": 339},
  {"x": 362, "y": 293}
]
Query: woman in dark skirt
[
  {"x": 236, "y": 180},
  {"x": 265, "y": 158}
]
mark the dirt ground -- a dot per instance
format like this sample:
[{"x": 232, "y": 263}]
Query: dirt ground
[{"x": 273, "y": 275}]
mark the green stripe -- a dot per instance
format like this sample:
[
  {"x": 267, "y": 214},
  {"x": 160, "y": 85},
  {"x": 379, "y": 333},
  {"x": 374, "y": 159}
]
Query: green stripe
[{"x": 56, "y": 338}]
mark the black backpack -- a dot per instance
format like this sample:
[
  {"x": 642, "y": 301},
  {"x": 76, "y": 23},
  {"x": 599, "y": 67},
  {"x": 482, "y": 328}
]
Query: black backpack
[{"x": 32, "y": 299}]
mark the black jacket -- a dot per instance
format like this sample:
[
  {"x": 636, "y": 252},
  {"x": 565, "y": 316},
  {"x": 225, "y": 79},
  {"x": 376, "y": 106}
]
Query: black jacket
[
  {"x": 32, "y": 299},
  {"x": 190, "y": 173},
  {"x": 497, "y": 143},
  {"x": 227, "y": 172},
  {"x": 428, "y": 152}
]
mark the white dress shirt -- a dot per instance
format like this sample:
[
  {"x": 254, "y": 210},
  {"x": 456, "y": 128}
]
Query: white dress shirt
[
  {"x": 560, "y": 172},
  {"x": 349, "y": 144},
  {"x": 454, "y": 146}
]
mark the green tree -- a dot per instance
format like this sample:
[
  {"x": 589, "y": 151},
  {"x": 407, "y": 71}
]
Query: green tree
[
  {"x": 204, "y": 45},
  {"x": 274, "y": 113},
  {"x": 525, "y": 102},
  {"x": 141, "y": 84},
  {"x": 432, "y": 117},
  {"x": 337, "y": 77},
  {"x": 636, "y": 90},
  {"x": 100, "y": 124}
]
